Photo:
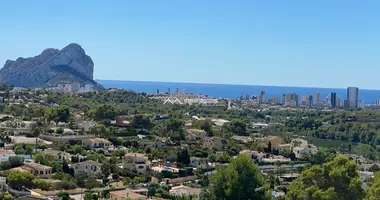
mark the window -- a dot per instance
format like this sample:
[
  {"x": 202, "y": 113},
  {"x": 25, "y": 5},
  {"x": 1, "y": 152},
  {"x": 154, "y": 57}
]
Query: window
[{"x": 41, "y": 172}]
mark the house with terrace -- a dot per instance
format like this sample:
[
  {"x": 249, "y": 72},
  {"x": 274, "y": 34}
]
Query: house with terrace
[
  {"x": 87, "y": 167},
  {"x": 39, "y": 170},
  {"x": 137, "y": 161}
]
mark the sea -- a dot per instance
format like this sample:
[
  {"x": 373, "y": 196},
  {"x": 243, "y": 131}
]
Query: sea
[{"x": 235, "y": 91}]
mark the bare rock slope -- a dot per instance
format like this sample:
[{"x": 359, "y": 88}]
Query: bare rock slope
[{"x": 51, "y": 67}]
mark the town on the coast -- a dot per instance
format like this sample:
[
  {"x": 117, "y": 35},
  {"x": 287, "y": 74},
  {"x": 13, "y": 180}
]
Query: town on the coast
[
  {"x": 72, "y": 143},
  {"x": 288, "y": 100}
]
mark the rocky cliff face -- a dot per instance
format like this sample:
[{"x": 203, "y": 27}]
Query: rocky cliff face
[{"x": 51, "y": 67}]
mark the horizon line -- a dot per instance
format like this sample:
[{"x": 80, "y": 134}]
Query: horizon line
[{"x": 233, "y": 84}]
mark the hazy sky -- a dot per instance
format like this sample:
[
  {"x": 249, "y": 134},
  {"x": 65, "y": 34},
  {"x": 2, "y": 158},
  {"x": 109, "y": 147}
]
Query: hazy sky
[{"x": 320, "y": 43}]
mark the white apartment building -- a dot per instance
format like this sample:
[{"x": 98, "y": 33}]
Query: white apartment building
[
  {"x": 73, "y": 88},
  {"x": 204, "y": 101},
  {"x": 88, "y": 88}
]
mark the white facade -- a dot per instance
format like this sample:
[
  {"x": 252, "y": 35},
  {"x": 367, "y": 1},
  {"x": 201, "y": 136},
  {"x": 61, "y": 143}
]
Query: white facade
[
  {"x": 298, "y": 142},
  {"x": 195, "y": 134},
  {"x": 88, "y": 88},
  {"x": 201, "y": 101},
  {"x": 352, "y": 96},
  {"x": 67, "y": 89},
  {"x": 360, "y": 104},
  {"x": 255, "y": 155},
  {"x": 338, "y": 102},
  {"x": 242, "y": 139},
  {"x": 3, "y": 184},
  {"x": 185, "y": 191},
  {"x": 217, "y": 143},
  {"x": 159, "y": 145},
  {"x": 61, "y": 155},
  {"x": 18, "y": 124},
  {"x": 97, "y": 143},
  {"x": 198, "y": 162},
  {"x": 37, "y": 169},
  {"x": 259, "y": 125},
  {"x": 5, "y": 154},
  {"x": 262, "y": 97},
  {"x": 302, "y": 151},
  {"x": 290, "y": 99},
  {"x": 73, "y": 88},
  {"x": 86, "y": 167},
  {"x": 139, "y": 162}
]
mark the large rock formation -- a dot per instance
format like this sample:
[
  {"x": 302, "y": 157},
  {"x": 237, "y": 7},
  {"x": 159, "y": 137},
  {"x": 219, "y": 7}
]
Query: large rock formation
[{"x": 51, "y": 67}]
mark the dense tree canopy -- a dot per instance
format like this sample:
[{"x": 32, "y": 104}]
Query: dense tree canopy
[
  {"x": 59, "y": 114},
  {"x": 183, "y": 157},
  {"x": 63, "y": 113},
  {"x": 103, "y": 112},
  {"x": 374, "y": 191},
  {"x": 99, "y": 130},
  {"x": 141, "y": 121},
  {"x": 174, "y": 124},
  {"x": 6, "y": 197},
  {"x": 241, "y": 179},
  {"x": 335, "y": 180},
  {"x": 205, "y": 125},
  {"x": 20, "y": 180},
  {"x": 237, "y": 126},
  {"x": 64, "y": 195},
  {"x": 23, "y": 149}
]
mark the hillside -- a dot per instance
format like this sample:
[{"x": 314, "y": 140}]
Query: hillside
[{"x": 51, "y": 67}]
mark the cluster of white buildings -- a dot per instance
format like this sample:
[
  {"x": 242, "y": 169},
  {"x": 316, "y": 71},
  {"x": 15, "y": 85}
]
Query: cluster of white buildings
[
  {"x": 204, "y": 101},
  {"x": 73, "y": 88},
  {"x": 300, "y": 147},
  {"x": 188, "y": 99}
]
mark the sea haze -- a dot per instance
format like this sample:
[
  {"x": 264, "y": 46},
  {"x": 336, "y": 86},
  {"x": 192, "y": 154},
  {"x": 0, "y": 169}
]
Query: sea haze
[{"x": 234, "y": 91}]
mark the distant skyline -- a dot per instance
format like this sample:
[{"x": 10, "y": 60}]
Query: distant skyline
[
  {"x": 329, "y": 44},
  {"x": 235, "y": 91}
]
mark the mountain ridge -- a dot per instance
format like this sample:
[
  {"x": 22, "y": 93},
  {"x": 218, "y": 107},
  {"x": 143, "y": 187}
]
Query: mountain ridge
[{"x": 50, "y": 68}]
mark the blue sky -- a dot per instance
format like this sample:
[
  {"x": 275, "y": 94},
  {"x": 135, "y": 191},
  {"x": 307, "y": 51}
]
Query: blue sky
[{"x": 287, "y": 43}]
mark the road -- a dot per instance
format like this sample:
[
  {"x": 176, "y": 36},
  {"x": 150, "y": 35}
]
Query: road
[{"x": 269, "y": 167}]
